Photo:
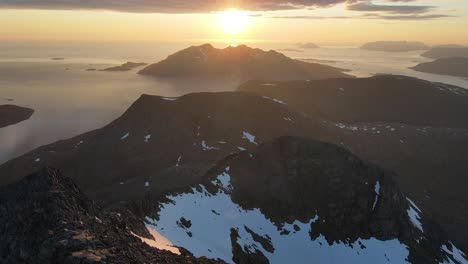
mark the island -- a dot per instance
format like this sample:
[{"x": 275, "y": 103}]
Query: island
[
  {"x": 240, "y": 63},
  {"x": 445, "y": 66},
  {"x": 394, "y": 46},
  {"x": 446, "y": 51},
  {"x": 307, "y": 45},
  {"x": 12, "y": 114},
  {"x": 126, "y": 66}
]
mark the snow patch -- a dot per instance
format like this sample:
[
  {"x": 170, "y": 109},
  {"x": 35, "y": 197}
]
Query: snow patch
[
  {"x": 457, "y": 254},
  {"x": 377, "y": 193},
  {"x": 179, "y": 159},
  {"x": 147, "y": 138},
  {"x": 274, "y": 100},
  {"x": 206, "y": 147},
  {"x": 413, "y": 213},
  {"x": 241, "y": 148},
  {"x": 249, "y": 137},
  {"x": 37, "y": 160},
  {"x": 213, "y": 216},
  {"x": 158, "y": 242},
  {"x": 170, "y": 98},
  {"x": 125, "y": 136},
  {"x": 147, "y": 184}
]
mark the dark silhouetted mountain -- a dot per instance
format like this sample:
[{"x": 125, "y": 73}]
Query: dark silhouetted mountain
[
  {"x": 295, "y": 200},
  {"x": 382, "y": 98},
  {"x": 445, "y": 66},
  {"x": 45, "y": 218},
  {"x": 239, "y": 63},
  {"x": 128, "y": 66},
  {"x": 446, "y": 52},
  {"x": 12, "y": 114},
  {"x": 394, "y": 46}
]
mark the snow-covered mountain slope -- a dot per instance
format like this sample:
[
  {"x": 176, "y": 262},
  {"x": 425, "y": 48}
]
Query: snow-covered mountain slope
[{"x": 296, "y": 200}]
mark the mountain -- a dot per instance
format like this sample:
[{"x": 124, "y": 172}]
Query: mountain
[
  {"x": 128, "y": 66},
  {"x": 446, "y": 52},
  {"x": 295, "y": 200},
  {"x": 240, "y": 63},
  {"x": 408, "y": 125},
  {"x": 307, "y": 45},
  {"x": 394, "y": 46},
  {"x": 47, "y": 219},
  {"x": 445, "y": 66},
  {"x": 383, "y": 98},
  {"x": 12, "y": 114},
  {"x": 161, "y": 144}
]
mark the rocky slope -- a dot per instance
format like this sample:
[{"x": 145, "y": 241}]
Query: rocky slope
[
  {"x": 446, "y": 52},
  {"x": 411, "y": 126},
  {"x": 445, "y": 66},
  {"x": 12, "y": 114},
  {"x": 301, "y": 201},
  {"x": 239, "y": 63},
  {"x": 394, "y": 46},
  {"x": 160, "y": 144},
  {"x": 47, "y": 219},
  {"x": 383, "y": 98}
]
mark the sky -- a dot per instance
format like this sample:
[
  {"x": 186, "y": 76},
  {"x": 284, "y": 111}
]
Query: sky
[{"x": 325, "y": 22}]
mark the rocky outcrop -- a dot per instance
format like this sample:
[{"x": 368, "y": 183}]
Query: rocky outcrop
[
  {"x": 47, "y": 219},
  {"x": 239, "y": 64},
  {"x": 12, "y": 114},
  {"x": 445, "y": 66},
  {"x": 394, "y": 46}
]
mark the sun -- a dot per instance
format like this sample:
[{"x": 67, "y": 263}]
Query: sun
[{"x": 233, "y": 21}]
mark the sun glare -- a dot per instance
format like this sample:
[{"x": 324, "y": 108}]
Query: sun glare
[{"x": 233, "y": 21}]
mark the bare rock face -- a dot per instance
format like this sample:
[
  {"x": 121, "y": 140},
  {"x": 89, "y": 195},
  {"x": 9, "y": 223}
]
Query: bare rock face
[
  {"x": 12, "y": 114},
  {"x": 47, "y": 219},
  {"x": 239, "y": 63}
]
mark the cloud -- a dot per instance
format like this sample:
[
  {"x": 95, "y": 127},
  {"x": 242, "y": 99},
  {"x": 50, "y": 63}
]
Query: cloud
[
  {"x": 369, "y": 16},
  {"x": 393, "y": 9},
  {"x": 167, "y": 6}
]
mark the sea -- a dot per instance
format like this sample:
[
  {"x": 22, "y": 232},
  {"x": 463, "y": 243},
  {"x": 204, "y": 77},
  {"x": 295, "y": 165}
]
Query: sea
[{"x": 70, "y": 97}]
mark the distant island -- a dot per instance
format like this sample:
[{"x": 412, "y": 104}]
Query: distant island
[
  {"x": 239, "y": 63},
  {"x": 126, "y": 66},
  {"x": 58, "y": 58},
  {"x": 12, "y": 114},
  {"x": 446, "y": 51},
  {"x": 445, "y": 66},
  {"x": 307, "y": 45},
  {"x": 394, "y": 46}
]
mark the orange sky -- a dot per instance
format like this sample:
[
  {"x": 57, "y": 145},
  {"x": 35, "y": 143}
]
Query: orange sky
[{"x": 321, "y": 26}]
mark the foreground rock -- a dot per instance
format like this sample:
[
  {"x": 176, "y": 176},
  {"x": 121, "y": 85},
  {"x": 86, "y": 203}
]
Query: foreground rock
[
  {"x": 449, "y": 51},
  {"x": 239, "y": 63},
  {"x": 445, "y": 66},
  {"x": 394, "y": 46},
  {"x": 12, "y": 114},
  {"x": 128, "y": 66},
  {"x": 46, "y": 219},
  {"x": 297, "y": 200}
]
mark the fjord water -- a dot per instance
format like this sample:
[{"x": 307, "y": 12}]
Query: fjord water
[{"x": 70, "y": 99}]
